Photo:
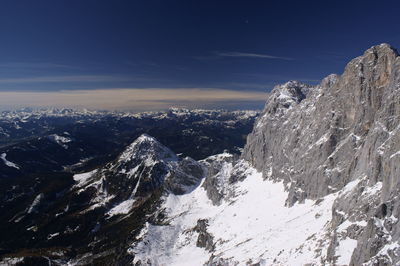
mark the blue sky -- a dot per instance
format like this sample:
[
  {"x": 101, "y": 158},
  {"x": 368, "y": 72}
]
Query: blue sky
[{"x": 49, "y": 45}]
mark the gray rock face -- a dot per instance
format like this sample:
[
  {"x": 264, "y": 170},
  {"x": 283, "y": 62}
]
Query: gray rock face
[
  {"x": 215, "y": 180},
  {"x": 184, "y": 176},
  {"x": 205, "y": 239},
  {"x": 346, "y": 129}
]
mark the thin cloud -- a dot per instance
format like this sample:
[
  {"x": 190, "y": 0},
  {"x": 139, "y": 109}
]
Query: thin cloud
[
  {"x": 220, "y": 55},
  {"x": 251, "y": 55}
]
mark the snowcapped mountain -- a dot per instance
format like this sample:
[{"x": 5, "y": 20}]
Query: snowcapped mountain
[
  {"x": 145, "y": 166},
  {"x": 317, "y": 184}
]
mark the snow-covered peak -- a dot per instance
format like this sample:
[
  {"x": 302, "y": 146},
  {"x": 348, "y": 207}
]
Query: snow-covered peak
[
  {"x": 144, "y": 167},
  {"x": 147, "y": 148}
]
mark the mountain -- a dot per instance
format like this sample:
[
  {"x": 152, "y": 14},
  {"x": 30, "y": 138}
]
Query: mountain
[
  {"x": 317, "y": 183},
  {"x": 345, "y": 131},
  {"x": 145, "y": 166}
]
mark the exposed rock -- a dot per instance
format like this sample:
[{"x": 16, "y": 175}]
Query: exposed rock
[
  {"x": 217, "y": 175},
  {"x": 345, "y": 129},
  {"x": 184, "y": 176},
  {"x": 205, "y": 239}
]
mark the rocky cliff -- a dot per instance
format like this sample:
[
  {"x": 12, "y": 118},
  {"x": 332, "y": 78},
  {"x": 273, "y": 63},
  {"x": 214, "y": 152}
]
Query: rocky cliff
[{"x": 347, "y": 129}]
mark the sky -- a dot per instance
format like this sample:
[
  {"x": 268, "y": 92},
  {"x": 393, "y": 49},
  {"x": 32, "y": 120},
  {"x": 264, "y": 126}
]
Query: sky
[{"x": 195, "y": 51}]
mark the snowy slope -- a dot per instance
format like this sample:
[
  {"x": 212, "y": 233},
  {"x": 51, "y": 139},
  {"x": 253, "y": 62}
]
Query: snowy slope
[{"x": 251, "y": 225}]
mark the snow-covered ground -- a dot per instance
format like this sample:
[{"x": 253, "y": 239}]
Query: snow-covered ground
[
  {"x": 252, "y": 226},
  {"x": 60, "y": 140},
  {"x": 8, "y": 163},
  {"x": 83, "y": 178}
]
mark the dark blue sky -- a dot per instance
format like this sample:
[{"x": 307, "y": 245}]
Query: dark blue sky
[{"x": 241, "y": 45}]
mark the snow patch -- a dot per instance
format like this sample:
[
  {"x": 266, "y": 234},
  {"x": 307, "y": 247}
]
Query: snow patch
[
  {"x": 371, "y": 191},
  {"x": 60, "y": 140},
  {"x": 51, "y": 236},
  {"x": 122, "y": 208},
  {"x": 8, "y": 163},
  {"x": 126, "y": 206},
  {"x": 395, "y": 154},
  {"x": 35, "y": 203},
  {"x": 83, "y": 178},
  {"x": 344, "y": 250}
]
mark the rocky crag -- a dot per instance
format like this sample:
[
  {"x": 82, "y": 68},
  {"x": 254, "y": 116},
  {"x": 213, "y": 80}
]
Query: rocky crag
[{"x": 345, "y": 130}]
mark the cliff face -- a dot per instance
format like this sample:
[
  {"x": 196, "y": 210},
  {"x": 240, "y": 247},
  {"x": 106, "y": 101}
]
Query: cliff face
[{"x": 347, "y": 129}]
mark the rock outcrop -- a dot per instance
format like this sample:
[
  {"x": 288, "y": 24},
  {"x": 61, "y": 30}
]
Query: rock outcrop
[{"x": 347, "y": 129}]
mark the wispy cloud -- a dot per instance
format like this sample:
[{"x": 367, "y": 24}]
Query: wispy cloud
[
  {"x": 221, "y": 55},
  {"x": 251, "y": 55}
]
